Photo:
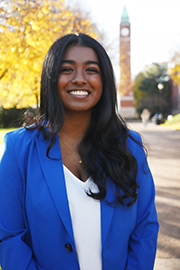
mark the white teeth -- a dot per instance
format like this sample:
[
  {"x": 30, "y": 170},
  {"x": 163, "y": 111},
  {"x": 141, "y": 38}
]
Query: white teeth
[{"x": 79, "y": 93}]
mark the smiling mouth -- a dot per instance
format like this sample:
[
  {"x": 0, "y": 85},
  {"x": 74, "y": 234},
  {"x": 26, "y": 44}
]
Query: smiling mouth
[{"x": 79, "y": 93}]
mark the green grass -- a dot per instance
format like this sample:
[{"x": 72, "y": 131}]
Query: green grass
[
  {"x": 174, "y": 123},
  {"x": 3, "y": 131}
]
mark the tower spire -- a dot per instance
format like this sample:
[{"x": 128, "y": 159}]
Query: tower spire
[{"x": 124, "y": 17}]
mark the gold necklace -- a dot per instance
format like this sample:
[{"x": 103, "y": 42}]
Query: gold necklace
[{"x": 80, "y": 161}]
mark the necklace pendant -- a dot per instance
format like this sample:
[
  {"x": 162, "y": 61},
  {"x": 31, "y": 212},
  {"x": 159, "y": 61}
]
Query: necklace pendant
[{"x": 80, "y": 161}]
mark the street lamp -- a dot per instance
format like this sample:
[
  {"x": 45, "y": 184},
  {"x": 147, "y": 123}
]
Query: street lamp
[{"x": 160, "y": 86}]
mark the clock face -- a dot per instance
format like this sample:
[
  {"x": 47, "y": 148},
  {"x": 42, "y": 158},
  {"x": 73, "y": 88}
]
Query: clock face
[{"x": 125, "y": 31}]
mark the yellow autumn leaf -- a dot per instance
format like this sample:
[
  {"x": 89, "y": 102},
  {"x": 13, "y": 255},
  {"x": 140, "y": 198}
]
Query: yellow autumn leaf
[{"x": 31, "y": 29}]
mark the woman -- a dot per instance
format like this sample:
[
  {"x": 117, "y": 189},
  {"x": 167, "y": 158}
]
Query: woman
[{"x": 76, "y": 191}]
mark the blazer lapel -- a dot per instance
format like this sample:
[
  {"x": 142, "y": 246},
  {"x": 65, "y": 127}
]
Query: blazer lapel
[
  {"x": 54, "y": 176},
  {"x": 106, "y": 212}
]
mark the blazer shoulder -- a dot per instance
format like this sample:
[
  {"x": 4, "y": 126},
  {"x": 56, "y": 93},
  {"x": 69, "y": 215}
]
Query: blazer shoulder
[
  {"x": 21, "y": 137},
  {"x": 134, "y": 141}
]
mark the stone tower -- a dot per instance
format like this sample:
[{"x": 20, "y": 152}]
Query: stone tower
[{"x": 126, "y": 96}]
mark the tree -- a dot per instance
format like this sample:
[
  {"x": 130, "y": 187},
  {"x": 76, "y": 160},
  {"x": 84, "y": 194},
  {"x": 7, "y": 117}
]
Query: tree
[
  {"x": 27, "y": 30},
  {"x": 138, "y": 94},
  {"x": 152, "y": 90},
  {"x": 174, "y": 72}
]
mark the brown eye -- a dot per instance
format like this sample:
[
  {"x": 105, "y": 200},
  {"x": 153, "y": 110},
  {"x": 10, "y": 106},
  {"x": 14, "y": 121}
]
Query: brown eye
[
  {"x": 92, "y": 69},
  {"x": 66, "y": 69}
]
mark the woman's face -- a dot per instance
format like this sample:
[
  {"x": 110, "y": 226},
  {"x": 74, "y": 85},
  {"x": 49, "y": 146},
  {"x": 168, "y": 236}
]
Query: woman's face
[{"x": 79, "y": 82}]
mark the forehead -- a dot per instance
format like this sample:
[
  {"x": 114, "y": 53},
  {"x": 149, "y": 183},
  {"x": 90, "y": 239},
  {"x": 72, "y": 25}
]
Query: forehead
[{"x": 80, "y": 54}]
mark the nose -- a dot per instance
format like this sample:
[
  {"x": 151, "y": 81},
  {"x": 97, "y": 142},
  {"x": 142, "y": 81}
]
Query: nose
[{"x": 79, "y": 78}]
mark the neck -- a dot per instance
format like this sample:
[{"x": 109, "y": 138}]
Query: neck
[{"x": 75, "y": 125}]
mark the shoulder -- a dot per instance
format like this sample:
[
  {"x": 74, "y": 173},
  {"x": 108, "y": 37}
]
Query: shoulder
[
  {"x": 134, "y": 141},
  {"x": 21, "y": 134},
  {"x": 136, "y": 147},
  {"x": 18, "y": 145},
  {"x": 20, "y": 138}
]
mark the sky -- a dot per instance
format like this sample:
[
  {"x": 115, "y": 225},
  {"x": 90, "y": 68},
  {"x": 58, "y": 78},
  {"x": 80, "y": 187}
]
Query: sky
[{"x": 155, "y": 28}]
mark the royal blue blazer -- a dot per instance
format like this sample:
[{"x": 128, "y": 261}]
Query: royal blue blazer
[{"x": 35, "y": 223}]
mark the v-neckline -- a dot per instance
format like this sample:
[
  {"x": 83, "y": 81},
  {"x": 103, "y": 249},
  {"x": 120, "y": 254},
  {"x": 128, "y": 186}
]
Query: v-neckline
[{"x": 75, "y": 177}]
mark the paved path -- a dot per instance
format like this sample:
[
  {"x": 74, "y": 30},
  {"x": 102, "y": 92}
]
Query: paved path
[{"x": 164, "y": 161}]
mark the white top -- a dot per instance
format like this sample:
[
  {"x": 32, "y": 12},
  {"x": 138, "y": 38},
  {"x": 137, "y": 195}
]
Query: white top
[{"x": 86, "y": 221}]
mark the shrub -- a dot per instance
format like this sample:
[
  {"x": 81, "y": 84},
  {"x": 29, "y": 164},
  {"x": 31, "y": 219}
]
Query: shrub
[{"x": 13, "y": 117}]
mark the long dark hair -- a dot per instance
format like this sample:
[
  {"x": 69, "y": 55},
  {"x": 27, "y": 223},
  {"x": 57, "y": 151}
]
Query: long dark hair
[{"x": 103, "y": 148}]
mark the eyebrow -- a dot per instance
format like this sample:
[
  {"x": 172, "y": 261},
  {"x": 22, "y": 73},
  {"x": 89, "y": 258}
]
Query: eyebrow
[
  {"x": 91, "y": 62},
  {"x": 88, "y": 62}
]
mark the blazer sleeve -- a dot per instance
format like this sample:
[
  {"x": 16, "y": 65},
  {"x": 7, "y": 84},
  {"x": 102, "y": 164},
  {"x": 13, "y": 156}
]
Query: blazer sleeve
[
  {"x": 143, "y": 240},
  {"x": 14, "y": 252}
]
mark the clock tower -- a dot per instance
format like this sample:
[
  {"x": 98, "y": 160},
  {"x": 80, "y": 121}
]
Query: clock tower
[{"x": 126, "y": 96}]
